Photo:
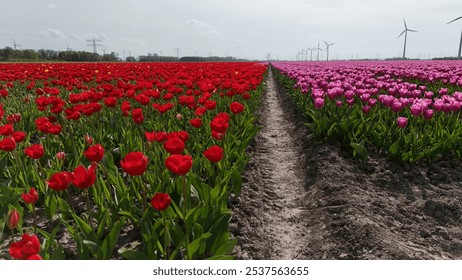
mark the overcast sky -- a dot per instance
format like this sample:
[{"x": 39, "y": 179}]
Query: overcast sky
[{"x": 240, "y": 28}]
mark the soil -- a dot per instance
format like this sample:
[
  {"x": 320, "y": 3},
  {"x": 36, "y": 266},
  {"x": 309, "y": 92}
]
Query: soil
[{"x": 305, "y": 199}]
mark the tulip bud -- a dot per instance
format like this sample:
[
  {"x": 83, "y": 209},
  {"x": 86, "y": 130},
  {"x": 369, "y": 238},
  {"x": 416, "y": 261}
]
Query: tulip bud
[
  {"x": 13, "y": 219},
  {"x": 179, "y": 117},
  {"x": 61, "y": 155}
]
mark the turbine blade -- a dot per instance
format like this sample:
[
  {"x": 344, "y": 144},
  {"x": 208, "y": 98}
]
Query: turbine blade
[
  {"x": 412, "y": 30},
  {"x": 325, "y": 43},
  {"x": 402, "y": 33},
  {"x": 405, "y": 25},
  {"x": 454, "y": 20}
]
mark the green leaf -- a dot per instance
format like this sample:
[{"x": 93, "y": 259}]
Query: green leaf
[
  {"x": 63, "y": 205},
  {"x": 222, "y": 257},
  {"x": 220, "y": 233},
  {"x": 132, "y": 254},
  {"x": 85, "y": 228},
  {"x": 359, "y": 151},
  {"x": 197, "y": 248},
  {"x": 94, "y": 248},
  {"x": 111, "y": 239},
  {"x": 2, "y": 227},
  {"x": 227, "y": 248},
  {"x": 58, "y": 253}
]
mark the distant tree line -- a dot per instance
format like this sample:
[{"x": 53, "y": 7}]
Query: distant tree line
[{"x": 10, "y": 54}]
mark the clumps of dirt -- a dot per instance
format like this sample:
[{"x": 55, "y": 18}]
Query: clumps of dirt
[{"x": 346, "y": 209}]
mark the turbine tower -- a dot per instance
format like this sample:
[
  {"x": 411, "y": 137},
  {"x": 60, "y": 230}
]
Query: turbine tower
[
  {"x": 311, "y": 53},
  {"x": 460, "y": 44},
  {"x": 405, "y": 37},
  {"x": 327, "y": 49},
  {"x": 318, "y": 49}
]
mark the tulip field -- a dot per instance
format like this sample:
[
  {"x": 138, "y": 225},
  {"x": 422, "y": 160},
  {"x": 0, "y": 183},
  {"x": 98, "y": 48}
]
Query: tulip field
[
  {"x": 123, "y": 160},
  {"x": 408, "y": 110},
  {"x": 141, "y": 160}
]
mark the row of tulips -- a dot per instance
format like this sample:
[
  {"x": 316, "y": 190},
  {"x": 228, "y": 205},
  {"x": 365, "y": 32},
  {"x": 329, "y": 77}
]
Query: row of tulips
[
  {"x": 409, "y": 110},
  {"x": 131, "y": 161}
]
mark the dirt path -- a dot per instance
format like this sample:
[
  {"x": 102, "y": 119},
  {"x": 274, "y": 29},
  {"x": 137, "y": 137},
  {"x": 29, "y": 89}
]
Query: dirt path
[
  {"x": 305, "y": 199},
  {"x": 275, "y": 189}
]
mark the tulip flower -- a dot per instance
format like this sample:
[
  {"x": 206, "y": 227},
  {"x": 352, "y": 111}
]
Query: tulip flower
[
  {"x": 27, "y": 248},
  {"x": 134, "y": 163},
  {"x": 402, "y": 122}
]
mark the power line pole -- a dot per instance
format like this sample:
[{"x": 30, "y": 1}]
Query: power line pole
[
  {"x": 94, "y": 44},
  {"x": 177, "y": 53}
]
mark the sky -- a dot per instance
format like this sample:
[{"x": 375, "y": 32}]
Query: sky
[{"x": 250, "y": 29}]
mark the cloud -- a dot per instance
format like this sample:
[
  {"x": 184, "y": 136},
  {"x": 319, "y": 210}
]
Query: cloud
[
  {"x": 202, "y": 27},
  {"x": 51, "y": 33},
  {"x": 51, "y": 6},
  {"x": 97, "y": 36},
  {"x": 76, "y": 37}
]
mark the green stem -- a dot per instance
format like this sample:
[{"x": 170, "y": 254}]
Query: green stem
[
  {"x": 143, "y": 194},
  {"x": 166, "y": 254},
  {"x": 89, "y": 210},
  {"x": 35, "y": 218}
]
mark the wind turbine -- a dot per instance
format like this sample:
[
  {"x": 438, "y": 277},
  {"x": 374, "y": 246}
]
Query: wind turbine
[
  {"x": 327, "y": 49},
  {"x": 68, "y": 49},
  {"x": 460, "y": 44},
  {"x": 318, "y": 49},
  {"x": 14, "y": 44},
  {"x": 104, "y": 50},
  {"x": 311, "y": 53},
  {"x": 405, "y": 37}
]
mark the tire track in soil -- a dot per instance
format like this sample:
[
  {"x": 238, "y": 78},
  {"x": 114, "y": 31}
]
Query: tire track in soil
[{"x": 269, "y": 213}]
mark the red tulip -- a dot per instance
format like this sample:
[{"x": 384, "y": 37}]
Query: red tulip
[
  {"x": 27, "y": 248},
  {"x": 88, "y": 140},
  {"x": 18, "y": 136},
  {"x": 200, "y": 111},
  {"x": 59, "y": 181},
  {"x": 236, "y": 107},
  {"x": 6, "y": 129},
  {"x": 196, "y": 123},
  {"x": 110, "y": 101},
  {"x": 217, "y": 135},
  {"x": 219, "y": 125},
  {"x": 150, "y": 136},
  {"x": 8, "y": 144},
  {"x": 31, "y": 197},
  {"x": 55, "y": 129},
  {"x": 134, "y": 163},
  {"x": 161, "y": 201},
  {"x": 179, "y": 164},
  {"x": 137, "y": 115},
  {"x": 214, "y": 153},
  {"x": 94, "y": 153},
  {"x": 224, "y": 116},
  {"x": 161, "y": 136},
  {"x": 174, "y": 145},
  {"x": 13, "y": 219},
  {"x": 183, "y": 135},
  {"x": 35, "y": 151},
  {"x": 83, "y": 178}
]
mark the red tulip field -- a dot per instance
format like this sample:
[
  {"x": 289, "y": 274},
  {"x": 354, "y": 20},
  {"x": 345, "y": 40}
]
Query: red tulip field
[
  {"x": 131, "y": 161},
  {"x": 336, "y": 160}
]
